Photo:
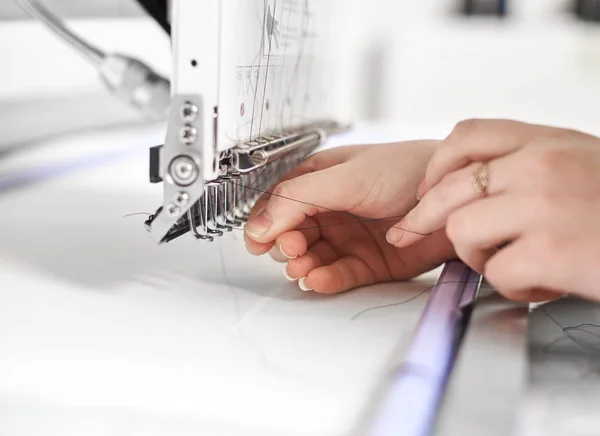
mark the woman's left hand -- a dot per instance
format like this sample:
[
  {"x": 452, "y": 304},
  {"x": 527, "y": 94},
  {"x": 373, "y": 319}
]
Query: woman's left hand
[{"x": 534, "y": 233}]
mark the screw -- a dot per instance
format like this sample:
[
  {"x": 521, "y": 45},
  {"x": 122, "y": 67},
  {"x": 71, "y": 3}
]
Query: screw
[
  {"x": 172, "y": 210},
  {"x": 189, "y": 112},
  {"x": 183, "y": 170},
  {"x": 188, "y": 134},
  {"x": 181, "y": 199}
]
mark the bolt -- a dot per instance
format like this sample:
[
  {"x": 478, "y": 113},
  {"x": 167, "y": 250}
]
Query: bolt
[
  {"x": 189, "y": 112},
  {"x": 188, "y": 134},
  {"x": 172, "y": 210},
  {"x": 181, "y": 199},
  {"x": 183, "y": 170}
]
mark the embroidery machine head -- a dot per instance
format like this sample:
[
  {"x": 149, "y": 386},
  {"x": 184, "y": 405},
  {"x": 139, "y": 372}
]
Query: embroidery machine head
[{"x": 249, "y": 103}]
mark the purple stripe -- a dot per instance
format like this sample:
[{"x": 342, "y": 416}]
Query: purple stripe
[
  {"x": 410, "y": 407},
  {"x": 48, "y": 172}
]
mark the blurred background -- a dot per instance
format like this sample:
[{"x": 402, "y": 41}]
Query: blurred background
[{"x": 422, "y": 65}]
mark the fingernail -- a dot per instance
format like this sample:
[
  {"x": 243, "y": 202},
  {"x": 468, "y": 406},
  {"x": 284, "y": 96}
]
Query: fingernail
[
  {"x": 287, "y": 275},
  {"x": 394, "y": 236},
  {"x": 302, "y": 284},
  {"x": 421, "y": 190},
  {"x": 276, "y": 255},
  {"x": 286, "y": 255},
  {"x": 258, "y": 225}
]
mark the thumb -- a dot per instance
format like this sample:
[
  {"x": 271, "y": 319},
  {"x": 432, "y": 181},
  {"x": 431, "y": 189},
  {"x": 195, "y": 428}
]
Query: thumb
[{"x": 294, "y": 199}]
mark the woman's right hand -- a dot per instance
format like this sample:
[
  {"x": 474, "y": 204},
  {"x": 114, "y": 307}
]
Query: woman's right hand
[{"x": 533, "y": 231}]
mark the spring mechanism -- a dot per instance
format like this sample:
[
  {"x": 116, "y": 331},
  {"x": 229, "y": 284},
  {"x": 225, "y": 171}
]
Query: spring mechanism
[{"x": 228, "y": 200}]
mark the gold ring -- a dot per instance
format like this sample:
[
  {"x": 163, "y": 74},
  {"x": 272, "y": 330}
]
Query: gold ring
[{"x": 481, "y": 179}]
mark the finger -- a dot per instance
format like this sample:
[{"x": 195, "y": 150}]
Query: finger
[
  {"x": 317, "y": 162},
  {"x": 326, "y": 159},
  {"x": 291, "y": 244},
  {"x": 295, "y": 243},
  {"x": 477, "y": 229},
  {"x": 277, "y": 255},
  {"x": 423, "y": 256},
  {"x": 339, "y": 227},
  {"x": 311, "y": 229},
  {"x": 454, "y": 191},
  {"x": 517, "y": 273},
  {"x": 343, "y": 274},
  {"x": 257, "y": 248},
  {"x": 296, "y": 199},
  {"x": 478, "y": 140},
  {"x": 320, "y": 255}
]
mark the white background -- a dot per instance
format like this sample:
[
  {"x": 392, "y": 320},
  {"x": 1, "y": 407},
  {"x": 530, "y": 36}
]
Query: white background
[{"x": 431, "y": 69}]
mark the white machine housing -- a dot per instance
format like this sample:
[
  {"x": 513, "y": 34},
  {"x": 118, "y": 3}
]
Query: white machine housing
[{"x": 249, "y": 85}]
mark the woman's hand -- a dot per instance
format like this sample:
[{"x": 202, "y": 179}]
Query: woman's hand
[
  {"x": 328, "y": 218},
  {"x": 535, "y": 234}
]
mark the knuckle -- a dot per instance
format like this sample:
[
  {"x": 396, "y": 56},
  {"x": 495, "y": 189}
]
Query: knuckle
[
  {"x": 554, "y": 159},
  {"x": 466, "y": 128},
  {"x": 544, "y": 164},
  {"x": 286, "y": 189},
  {"x": 563, "y": 134}
]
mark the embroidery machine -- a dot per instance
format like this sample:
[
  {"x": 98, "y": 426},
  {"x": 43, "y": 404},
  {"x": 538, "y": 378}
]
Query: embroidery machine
[{"x": 249, "y": 103}]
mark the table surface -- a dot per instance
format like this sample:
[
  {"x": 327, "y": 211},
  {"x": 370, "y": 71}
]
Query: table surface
[
  {"x": 101, "y": 326},
  {"x": 102, "y": 329}
]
